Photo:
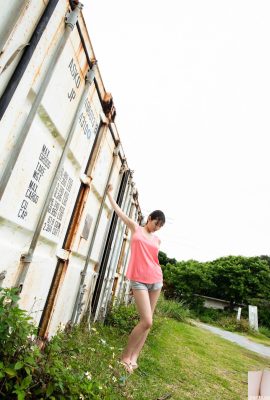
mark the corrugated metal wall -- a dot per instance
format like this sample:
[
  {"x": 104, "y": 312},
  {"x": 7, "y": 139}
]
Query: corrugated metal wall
[{"x": 59, "y": 149}]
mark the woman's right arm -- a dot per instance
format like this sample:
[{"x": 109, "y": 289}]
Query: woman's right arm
[{"x": 128, "y": 221}]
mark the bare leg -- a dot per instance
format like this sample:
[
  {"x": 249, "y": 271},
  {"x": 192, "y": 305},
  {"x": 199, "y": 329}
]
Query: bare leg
[
  {"x": 153, "y": 297},
  {"x": 265, "y": 384},
  {"x": 254, "y": 380},
  {"x": 143, "y": 304}
]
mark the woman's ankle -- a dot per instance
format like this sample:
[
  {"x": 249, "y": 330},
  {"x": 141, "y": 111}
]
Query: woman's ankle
[
  {"x": 133, "y": 359},
  {"x": 125, "y": 358}
]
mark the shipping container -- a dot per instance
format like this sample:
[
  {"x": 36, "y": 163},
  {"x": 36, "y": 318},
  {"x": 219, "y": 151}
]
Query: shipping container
[{"x": 60, "y": 242}]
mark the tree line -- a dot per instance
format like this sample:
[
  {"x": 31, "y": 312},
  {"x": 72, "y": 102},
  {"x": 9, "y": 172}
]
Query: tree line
[{"x": 237, "y": 279}]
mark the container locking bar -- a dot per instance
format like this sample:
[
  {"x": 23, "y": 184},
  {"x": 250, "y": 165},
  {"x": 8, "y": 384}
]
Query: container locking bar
[{"x": 77, "y": 310}]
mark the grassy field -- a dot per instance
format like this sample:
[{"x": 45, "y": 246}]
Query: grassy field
[{"x": 179, "y": 361}]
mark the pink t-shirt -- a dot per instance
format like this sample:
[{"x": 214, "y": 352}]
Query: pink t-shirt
[{"x": 143, "y": 264}]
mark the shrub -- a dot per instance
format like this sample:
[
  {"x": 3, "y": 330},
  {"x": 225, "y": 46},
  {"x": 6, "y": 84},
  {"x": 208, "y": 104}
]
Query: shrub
[
  {"x": 18, "y": 352},
  {"x": 122, "y": 317},
  {"x": 62, "y": 374},
  {"x": 231, "y": 324},
  {"x": 207, "y": 315},
  {"x": 26, "y": 372},
  {"x": 264, "y": 331},
  {"x": 172, "y": 309}
]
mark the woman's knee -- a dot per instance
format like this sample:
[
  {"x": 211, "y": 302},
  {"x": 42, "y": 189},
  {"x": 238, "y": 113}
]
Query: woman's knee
[{"x": 147, "y": 323}]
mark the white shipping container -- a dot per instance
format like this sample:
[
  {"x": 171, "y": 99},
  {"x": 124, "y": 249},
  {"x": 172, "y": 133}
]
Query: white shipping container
[{"x": 59, "y": 149}]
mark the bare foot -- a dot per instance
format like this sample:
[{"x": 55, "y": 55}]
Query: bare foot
[
  {"x": 134, "y": 365},
  {"x": 127, "y": 365}
]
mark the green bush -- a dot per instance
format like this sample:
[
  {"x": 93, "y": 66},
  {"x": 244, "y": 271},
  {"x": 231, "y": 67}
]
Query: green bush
[
  {"x": 207, "y": 315},
  {"x": 26, "y": 372},
  {"x": 264, "y": 331},
  {"x": 172, "y": 309},
  {"x": 19, "y": 353},
  {"x": 122, "y": 317},
  {"x": 231, "y": 324},
  {"x": 63, "y": 376}
]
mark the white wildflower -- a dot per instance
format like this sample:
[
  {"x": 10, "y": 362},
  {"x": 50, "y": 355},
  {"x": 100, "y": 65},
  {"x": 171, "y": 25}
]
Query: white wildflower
[
  {"x": 6, "y": 301},
  {"x": 110, "y": 366},
  {"x": 61, "y": 327},
  {"x": 102, "y": 341},
  {"x": 88, "y": 375},
  {"x": 114, "y": 379}
]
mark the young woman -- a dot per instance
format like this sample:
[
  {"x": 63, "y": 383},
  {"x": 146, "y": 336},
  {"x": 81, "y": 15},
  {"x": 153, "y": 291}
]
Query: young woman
[{"x": 145, "y": 277}]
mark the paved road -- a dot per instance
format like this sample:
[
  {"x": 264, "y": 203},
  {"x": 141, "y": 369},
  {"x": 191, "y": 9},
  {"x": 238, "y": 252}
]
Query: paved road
[{"x": 234, "y": 337}]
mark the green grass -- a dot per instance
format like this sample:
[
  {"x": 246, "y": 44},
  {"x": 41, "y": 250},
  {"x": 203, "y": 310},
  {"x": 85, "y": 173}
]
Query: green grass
[
  {"x": 179, "y": 360},
  {"x": 257, "y": 337}
]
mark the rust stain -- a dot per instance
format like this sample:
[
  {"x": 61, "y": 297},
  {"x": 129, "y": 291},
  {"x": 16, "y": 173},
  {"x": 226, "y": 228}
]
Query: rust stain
[
  {"x": 53, "y": 43},
  {"x": 81, "y": 60},
  {"x": 108, "y": 106},
  {"x": 80, "y": 50},
  {"x": 115, "y": 284},
  {"x": 63, "y": 265},
  {"x": 60, "y": 273},
  {"x": 121, "y": 257},
  {"x": 96, "y": 151},
  {"x": 69, "y": 241},
  {"x": 77, "y": 216}
]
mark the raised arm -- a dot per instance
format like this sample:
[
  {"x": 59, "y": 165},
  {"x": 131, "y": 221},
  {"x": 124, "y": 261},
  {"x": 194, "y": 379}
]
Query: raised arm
[{"x": 128, "y": 221}]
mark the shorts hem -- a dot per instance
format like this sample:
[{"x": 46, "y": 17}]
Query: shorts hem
[{"x": 136, "y": 285}]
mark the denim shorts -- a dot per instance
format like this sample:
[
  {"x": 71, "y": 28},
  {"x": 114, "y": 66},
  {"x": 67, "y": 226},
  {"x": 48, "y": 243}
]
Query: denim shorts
[{"x": 146, "y": 286}]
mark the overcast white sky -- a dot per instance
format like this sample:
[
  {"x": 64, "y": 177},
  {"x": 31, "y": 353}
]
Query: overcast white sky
[{"x": 191, "y": 86}]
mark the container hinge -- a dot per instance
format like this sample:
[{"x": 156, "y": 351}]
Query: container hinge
[
  {"x": 108, "y": 107},
  {"x": 85, "y": 179},
  {"x": 72, "y": 16},
  {"x": 27, "y": 258},
  {"x": 117, "y": 149},
  {"x": 63, "y": 254},
  {"x": 90, "y": 76},
  {"x": 124, "y": 166}
]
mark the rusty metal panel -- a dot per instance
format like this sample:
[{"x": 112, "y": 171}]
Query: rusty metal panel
[
  {"x": 63, "y": 309},
  {"x": 75, "y": 195}
]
